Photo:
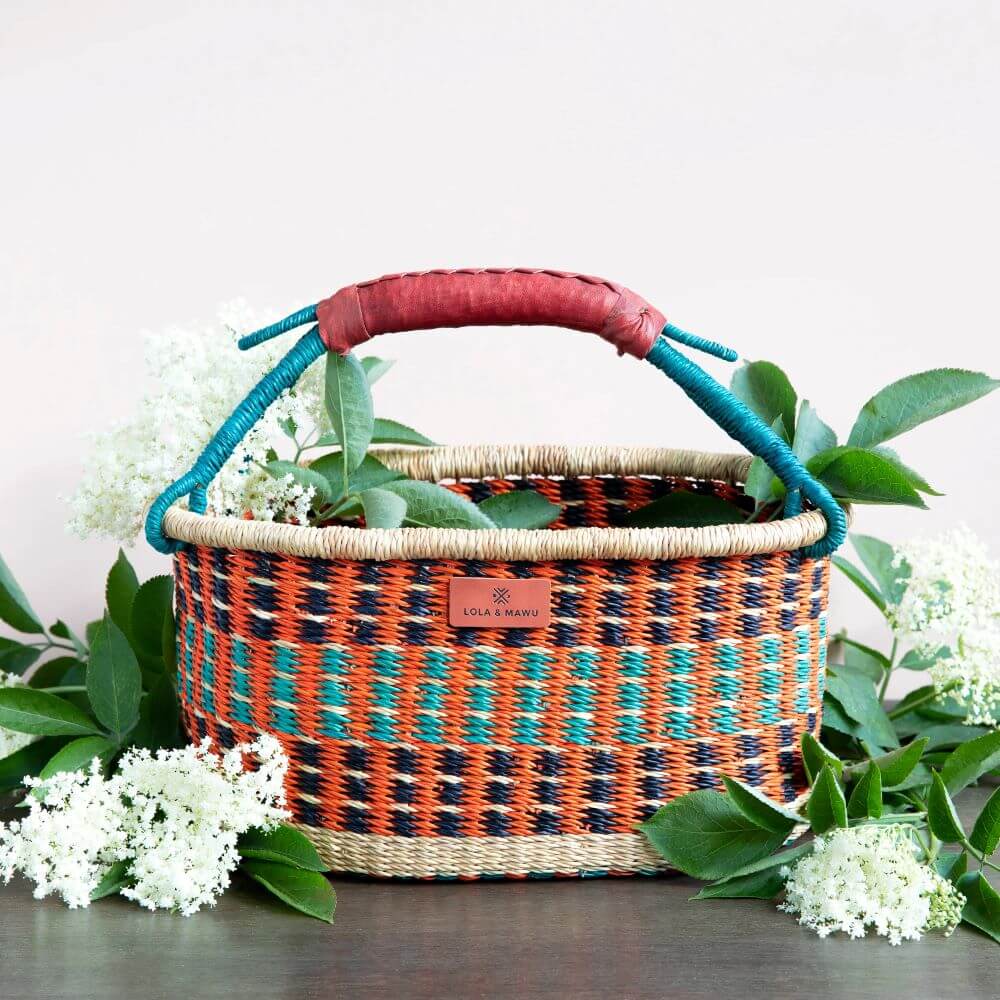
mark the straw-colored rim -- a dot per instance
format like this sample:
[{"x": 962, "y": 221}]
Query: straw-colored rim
[{"x": 504, "y": 461}]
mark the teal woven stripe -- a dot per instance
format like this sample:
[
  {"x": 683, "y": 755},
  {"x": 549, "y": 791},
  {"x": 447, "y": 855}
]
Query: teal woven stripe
[
  {"x": 189, "y": 660},
  {"x": 208, "y": 673},
  {"x": 240, "y": 706},
  {"x": 679, "y": 693}
]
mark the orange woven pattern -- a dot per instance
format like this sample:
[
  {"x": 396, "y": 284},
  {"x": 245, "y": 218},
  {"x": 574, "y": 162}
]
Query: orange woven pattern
[{"x": 653, "y": 679}]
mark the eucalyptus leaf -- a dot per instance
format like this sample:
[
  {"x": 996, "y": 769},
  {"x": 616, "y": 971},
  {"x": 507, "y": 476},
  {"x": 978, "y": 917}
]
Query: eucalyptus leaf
[
  {"x": 349, "y": 407},
  {"x": 306, "y": 891},
  {"x": 942, "y": 817},
  {"x": 15, "y": 609},
  {"x": 305, "y": 476},
  {"x": 913, "y": 400},
  {"x": 683, "y": 509},
  {"x": 151, "y": 606},
  {"x": 431, "y": 506},
  {"x": 120, "y": 592},
  {"x": 114, "y": 683},
  {"x": 863, "y": 477},
  {"x": 26, "y": 710},
  {"x": 382, "y": 508},
  {"x": 704, "y": 835},
  {"x": 970, "y": 761},
  {"x": 284, "y": 844},
  {"x": 520, "y": 509},
  {"x": 812, "y": 436},
  {"x": 766, "y": 390}
]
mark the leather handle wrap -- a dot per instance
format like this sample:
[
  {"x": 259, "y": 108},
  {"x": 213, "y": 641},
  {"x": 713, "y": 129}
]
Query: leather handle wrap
[{"x": 489, "y": 297}]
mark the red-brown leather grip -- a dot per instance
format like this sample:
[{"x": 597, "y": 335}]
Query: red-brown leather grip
[{"x": 488, "y": 297}]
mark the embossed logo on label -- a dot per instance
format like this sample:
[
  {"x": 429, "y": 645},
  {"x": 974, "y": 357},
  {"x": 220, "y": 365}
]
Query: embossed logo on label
[{"x": 482, "y": 602}]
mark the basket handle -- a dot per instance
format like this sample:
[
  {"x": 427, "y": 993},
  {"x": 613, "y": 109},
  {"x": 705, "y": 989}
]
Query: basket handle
[{"x": 500, "y": 297}]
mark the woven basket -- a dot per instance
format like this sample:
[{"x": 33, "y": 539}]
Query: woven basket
[{"x": 422, "y": 748}]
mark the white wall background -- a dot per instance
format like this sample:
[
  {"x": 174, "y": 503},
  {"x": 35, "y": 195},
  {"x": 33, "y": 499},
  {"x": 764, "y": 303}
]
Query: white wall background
[{"x": 813, "y": 183}]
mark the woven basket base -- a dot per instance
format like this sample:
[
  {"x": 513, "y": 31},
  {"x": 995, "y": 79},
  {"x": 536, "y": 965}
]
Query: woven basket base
[{"x": 485, "y": 857}]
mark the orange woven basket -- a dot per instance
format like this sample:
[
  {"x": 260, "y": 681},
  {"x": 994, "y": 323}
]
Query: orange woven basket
[{"x": 525, "y": 726}]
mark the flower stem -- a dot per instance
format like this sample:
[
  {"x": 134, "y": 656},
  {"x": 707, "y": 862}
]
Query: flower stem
[
  {"x": 65, "y": 689},
  {"x": 888, "y": 671}
]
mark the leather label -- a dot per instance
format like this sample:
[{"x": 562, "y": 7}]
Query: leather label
[{"x": 487, "y": 602}]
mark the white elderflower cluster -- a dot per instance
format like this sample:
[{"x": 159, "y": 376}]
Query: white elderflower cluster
[
  {"x": 952, "y": 599},
  {"x": 200, "y": 376},
  {"x": 870, "y": 876},
  {"x": 175, "y": 817},
  {"x": 11, "y": 742}
]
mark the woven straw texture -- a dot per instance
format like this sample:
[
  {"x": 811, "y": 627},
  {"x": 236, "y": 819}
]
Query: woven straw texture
[{"x": 422, "y": 750}]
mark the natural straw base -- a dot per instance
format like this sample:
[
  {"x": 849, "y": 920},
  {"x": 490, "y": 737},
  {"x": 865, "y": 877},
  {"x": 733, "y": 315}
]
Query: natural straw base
[{"x": 503, "y": 461}]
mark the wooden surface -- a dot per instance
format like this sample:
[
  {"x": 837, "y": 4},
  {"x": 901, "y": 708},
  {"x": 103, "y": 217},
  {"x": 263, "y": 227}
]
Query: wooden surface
[{"x": 608, "y": 938}]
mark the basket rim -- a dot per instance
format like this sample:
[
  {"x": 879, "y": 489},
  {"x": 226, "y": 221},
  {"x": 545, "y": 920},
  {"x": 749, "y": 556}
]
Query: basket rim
[{"x": 498, "y": 461}]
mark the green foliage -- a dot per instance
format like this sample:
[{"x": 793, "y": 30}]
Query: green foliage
[
  {"x": 349, "y": 407},
  {"x": 520, "y": 509},
  {"x": 942, "y": 816},
  {"x": 382, "y": 508},
  {"x": 120, "y": 592},
  {"x": 815, "y": 757},
  {"x": 431, "y": 506},
  {"x": 970, "y": 761},
  {"x": 284, "y": 845},
  {"x": 765, "y": 388},
  {"x": 759, "y": 809},
  {"x": 827, "y": 807},
  {"x": 683, "y": 509},
  {"x": 305, "y": 891},
  {"x": 14, "y": 607},
  {"x": 114, "y": 682},
  {"x": 982, "y": 904},
  {"x": 27, "y": 710},
  {"x": 866, "y": 796}
]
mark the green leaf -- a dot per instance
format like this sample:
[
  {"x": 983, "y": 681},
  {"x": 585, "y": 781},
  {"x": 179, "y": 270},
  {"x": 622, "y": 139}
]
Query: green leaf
[
  {"x": 866, "y": 796},
  {"x": 168, "y": 642},
  {"x": 520, "y": 509},
  {"x": 913, "y": 400},
  {"x": 305, "y": 477},
  {"x": 878, "y": 558},
  {"x": 815, "y": 757},
  {"x": 158, "y": 717},
  {"x": 864, "y": 659},
  {"x": 375, "y": 368},
  {"x": 368, "y": 475},
  {"x": 382, "y": 508},
  {"x": 765, "y": 388},
  {"x": 26, "y": 710},
  {"x": 914, "y": 660},
  {"x": 77, "y": 755},
  {"x": 947, "y": 737},
  {"x": 683, "y": 509},
  {"x": 15, "y": 657},
  {"x": 116, "y": 878},
  {"x": 765, "y": 884},
  {"x": 970, "y": 761},
  {"x": 835, "y": 718},
  {"x": 759, "y": 809},
  {"x": 120, "y": 592},
  {"x": 941, "y": 815},
  {"x": 897, "y": 764},
  {"x": 349, "y": 407},
  {"x": 760, "y": 482},
  {"x": 306, "y": 891},
  {"x": 982, "y": 904},
  {"x": 114, "y": 683},
  {"x": 14, "y": 607},
  {"x": 431, "y": 506},
  {"x": 857, "y": 696},
  {"x": 951, "y": 865},
  {"x": 812, "y": 436},
  {"x": 284, "y": 844},
  {"x": 863, "y": 477},
  {"x": 29, "y": 760},
  {"x": 704, "y": 835},
  {"x": 63, "y": 631},
  {"x": 860, "y": 581},
  {"x": 151, "y": 606},
  {"x": 52, "y": 672},
  {"x": 826, "y": 807},
  {"x": 393, "y": 432},
  {"x": 986, "y": 832},
  {"x": 914, "y": 478}
]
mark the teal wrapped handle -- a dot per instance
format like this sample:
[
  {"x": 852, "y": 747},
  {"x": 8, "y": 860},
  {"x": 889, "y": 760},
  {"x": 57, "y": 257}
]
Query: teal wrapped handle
[{"x": 729, "y": 412}]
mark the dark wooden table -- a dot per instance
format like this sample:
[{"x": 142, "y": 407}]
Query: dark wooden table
[{"x": 608, "y": 938}]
